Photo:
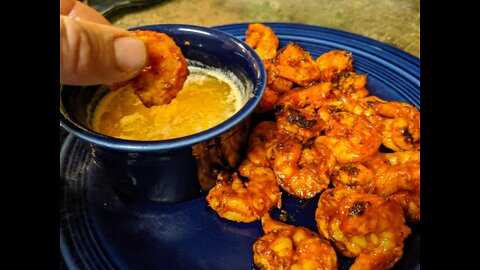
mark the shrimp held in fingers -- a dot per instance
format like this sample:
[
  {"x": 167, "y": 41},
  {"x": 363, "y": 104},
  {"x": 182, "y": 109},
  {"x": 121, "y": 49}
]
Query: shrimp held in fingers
[
  {"x": 286, "y": 246},
  {"x": 240, "y": 201},
  {"x": 163, "y": 77}
]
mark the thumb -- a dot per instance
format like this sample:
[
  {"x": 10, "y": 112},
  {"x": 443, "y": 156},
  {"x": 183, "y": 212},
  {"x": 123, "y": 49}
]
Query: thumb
[{"x": 92, "y": 53}]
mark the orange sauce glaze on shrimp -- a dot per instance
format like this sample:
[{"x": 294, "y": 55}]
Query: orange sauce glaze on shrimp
[
  {"x": 303, "y": 169},
  {"x": 286, "y": 246},
  {"x": 328, "y": 130},
  {"x": 334, "y": 62},
  {"x": 240, "y": 201},
  {"x": 262, "y": 39},
  {"x": 166, "y": 71},
  {"x": 398, "y": 122},
  {"x": 397, "y": 177},
  {"x": 365, "y": 226},
  {"x": 296, "y": 64},
  {"x": 352, "y": 138},
  {"x": 264, "y": 134},
  {"x": 296, "y": 111}
]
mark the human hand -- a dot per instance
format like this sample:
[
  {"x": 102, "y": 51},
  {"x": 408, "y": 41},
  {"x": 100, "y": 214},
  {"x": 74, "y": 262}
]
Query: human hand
[{"x": 94, "y": 52}]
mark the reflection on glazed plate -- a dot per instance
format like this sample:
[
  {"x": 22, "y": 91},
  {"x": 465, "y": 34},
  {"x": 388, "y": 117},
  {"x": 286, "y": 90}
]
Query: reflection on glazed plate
[{"x": 100, "y": 230}]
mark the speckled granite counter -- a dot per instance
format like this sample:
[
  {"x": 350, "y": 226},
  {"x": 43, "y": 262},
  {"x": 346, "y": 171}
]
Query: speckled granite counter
[{"x": 394, "y": 22}]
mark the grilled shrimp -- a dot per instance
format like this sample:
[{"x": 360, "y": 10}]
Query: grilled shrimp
[
  {"x": 296, "y": 111},
  {"x": 315, "y": 95},
  {"x": 410, "y": 202},
  {"x": 263, "y": 133},
  {"x": 277, "y": 83},
  {"x": 163, "y": 77},
  {"x": 352, "y": 138},
  {"x": 301, "y": 123},
  {"x": 350, "y": 85},
  {"x": 402, "y": 126},
  {"x": 400, "y": 181},
  {"x": 276, "y": 87},
  {"x": 240, "y": 201},
  {"x": 366, "y": 226},
  {"x": 303, "y": 169},
  {"x": 286, "y": 246},
  {"x": 296, "y": 64},
  {"x": 397, "y": 158},
  {"x": 366, "y": 106},
  {"x": 353, "y": 174},
  {"x": 268, "y": 101},
  {"x": 334, "y": 62},
  {"x": 263, "y": 40},
  {"x": 398, "y": 122}
]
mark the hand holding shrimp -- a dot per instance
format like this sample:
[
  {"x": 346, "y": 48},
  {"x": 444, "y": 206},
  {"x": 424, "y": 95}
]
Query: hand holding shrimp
[{"x": 166, "y": 71}]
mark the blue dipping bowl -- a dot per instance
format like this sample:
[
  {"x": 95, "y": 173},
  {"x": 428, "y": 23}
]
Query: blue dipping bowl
[{"x": 175, "y": 169}]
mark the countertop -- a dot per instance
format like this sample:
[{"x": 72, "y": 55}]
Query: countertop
[{"x": 393, "y": 22}]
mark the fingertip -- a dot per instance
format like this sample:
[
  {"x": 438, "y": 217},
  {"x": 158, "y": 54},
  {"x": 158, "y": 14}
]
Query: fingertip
[
  {"x": 92, "y": 53},
  {"x": 130, "y": 54}
]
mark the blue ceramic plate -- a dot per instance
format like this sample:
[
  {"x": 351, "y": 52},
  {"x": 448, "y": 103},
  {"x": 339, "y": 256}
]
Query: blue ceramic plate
[{"x": 100, "y": 230}]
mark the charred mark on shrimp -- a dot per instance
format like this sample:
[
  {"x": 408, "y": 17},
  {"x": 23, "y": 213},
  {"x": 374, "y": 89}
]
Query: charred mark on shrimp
[
  {"x": 278, "y": 108},
  {"x": 408, "y": 136},
  {"x": 358, "y": 208},
  {"x": 350, "y": 170},
  {"x": 297, "y": 118}
]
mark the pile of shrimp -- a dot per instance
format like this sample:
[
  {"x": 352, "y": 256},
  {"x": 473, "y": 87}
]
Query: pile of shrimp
[{"x": 359, "y": 153}]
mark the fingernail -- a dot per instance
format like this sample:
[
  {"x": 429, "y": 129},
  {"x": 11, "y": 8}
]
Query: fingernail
[{"x": 130, "y": 54}]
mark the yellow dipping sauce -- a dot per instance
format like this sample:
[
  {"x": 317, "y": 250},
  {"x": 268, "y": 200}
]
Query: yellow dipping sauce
[{"x": 207, "y": 99}]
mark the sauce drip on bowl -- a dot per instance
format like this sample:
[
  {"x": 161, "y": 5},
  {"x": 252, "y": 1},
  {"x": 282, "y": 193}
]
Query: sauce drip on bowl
[{"x": 208, "y": 98}]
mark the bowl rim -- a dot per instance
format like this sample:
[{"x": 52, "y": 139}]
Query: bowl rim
[{"x": 124, "y": 145}]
